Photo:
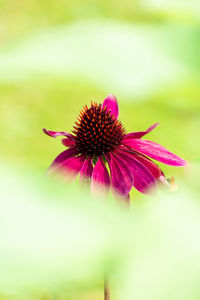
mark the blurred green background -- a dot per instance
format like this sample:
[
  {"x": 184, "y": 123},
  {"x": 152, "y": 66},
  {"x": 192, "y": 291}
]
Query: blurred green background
[{"x": 57, "y": 56}]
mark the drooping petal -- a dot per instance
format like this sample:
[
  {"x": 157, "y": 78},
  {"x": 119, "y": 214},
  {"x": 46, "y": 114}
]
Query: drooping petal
[
  {"x": 139, "y": 134},
  {"x": 121, "y": 176},
  {"x": 111, "y": 103},
  {"x": 61, "y": 157},
  {"x": 72, "y": 166},
  {"x": 86, "y": 170},
  {"x": 68, "y": 142},
  {"x": 57, "y": 133},
  {"x": 155, "y": 170},
  {"x": 155, "y": 151},
  {"x": 143, "y": 180},
  {"x": 100, "y": 177},
  {"x": 149, "y": 164}
]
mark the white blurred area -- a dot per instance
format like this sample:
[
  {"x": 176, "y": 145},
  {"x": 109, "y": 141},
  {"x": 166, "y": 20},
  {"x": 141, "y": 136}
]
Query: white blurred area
[
  {"x": 179, "y": 8},
  {"x": 53, "y": 235}
]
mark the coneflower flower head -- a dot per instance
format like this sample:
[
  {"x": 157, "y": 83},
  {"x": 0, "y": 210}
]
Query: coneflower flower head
[
  {"x": 97, "y": 131},
  {"x": 99, "y": 141}
]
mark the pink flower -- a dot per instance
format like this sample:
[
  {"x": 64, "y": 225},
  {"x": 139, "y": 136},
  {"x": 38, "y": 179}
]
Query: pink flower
[{"x": 99, "y": 142}]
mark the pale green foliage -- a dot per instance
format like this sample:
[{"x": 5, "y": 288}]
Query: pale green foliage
[
  {"x": 126, "y": 58},
  {"x": 177, "y": 9}
]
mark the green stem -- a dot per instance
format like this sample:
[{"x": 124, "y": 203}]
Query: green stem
[{"x": 106, "y": 289}]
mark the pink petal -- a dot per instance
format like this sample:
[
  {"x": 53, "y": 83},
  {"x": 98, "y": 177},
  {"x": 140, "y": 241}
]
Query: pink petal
[
  {"x": 100, "y": 177},
  {"x": 143, "y": 180},
  {"x": 155, "y": 151},
  {"x": 61, "y": 157},
  {"x": 149, "y": 164},
  {"x": 57, "y": 133},
  {"x": 72, "y": 166},
  {"x": 111, "y": 103},
  {"x": 68, "y": 142},
  {"x": 121, "y": 176},
  {"x": 86, "y": 170},
  {"x": 139, "y": 134}
]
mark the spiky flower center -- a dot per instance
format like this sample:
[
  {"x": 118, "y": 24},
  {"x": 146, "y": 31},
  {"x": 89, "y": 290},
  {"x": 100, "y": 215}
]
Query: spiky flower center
[{"x": 97, "y": 131}]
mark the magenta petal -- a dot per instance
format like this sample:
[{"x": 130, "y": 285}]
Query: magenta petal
[
  {"x": 62, "y": 157},
  {"x": 112, "y": 105},
  {"x": 121, "y": 176},
  {"x": 139, "y": 134},
  {"x": 155, "y": 151},
  {"x": 100, "y": 176},
  {"x": 143, "y": 180},
  {"x": 86, "y": 170},
  {"x": 68, "y": 142},
  {"x": 149, "y": 164},
  {"x": 57, "y": 133},
  {"x": 72, "y": 166}
]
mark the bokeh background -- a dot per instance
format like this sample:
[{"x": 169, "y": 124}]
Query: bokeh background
[{"x": 57, "y": 56}]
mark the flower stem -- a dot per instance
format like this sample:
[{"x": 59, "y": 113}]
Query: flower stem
[{"x": 106, "y": 289}]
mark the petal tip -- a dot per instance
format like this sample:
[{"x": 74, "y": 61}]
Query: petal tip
[
  {"x": 152, "y": 127},
  {"x": 183, "y": 163},
  {"x": 111, "y": 97},
  {"x": 180, "y": 162},
  {"x": 110, "y": 102},
  {"x": 47, "y": 132},
  {"x": 56, "y": 133},
  {"x": 100, "y": 178}
]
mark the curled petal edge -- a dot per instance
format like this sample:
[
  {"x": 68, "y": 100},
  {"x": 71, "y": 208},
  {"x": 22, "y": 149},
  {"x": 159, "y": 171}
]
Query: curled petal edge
[{"x": 54, "y": 134}]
